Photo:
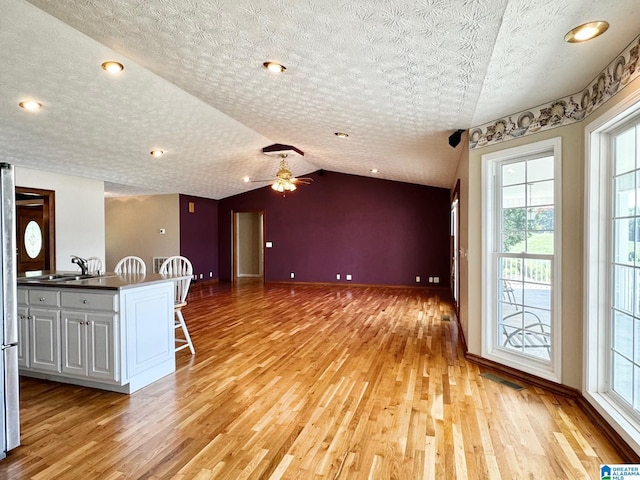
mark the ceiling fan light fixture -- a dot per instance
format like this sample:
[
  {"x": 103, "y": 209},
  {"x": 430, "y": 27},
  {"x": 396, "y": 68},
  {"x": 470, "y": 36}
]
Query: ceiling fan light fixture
[
  {"x": 341, "y": 135},
  {"x": 586, "y": 31},
  {"x": 274, "y": 67},
  {"x": 156, "y": 153},
  {"x": 285, "y": 180}
]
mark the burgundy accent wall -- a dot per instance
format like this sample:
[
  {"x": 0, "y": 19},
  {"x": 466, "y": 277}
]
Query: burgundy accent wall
[
  {"x": 379, "y": 231},
  {"x": 199, "y": 235}
]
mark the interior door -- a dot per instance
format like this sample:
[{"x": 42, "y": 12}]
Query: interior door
[
  {"x": 35, "y": 229},
  {"x": 30, "y": 238}
]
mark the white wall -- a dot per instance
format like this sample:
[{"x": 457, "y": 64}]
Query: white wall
[
  {"x": 80, "y": 228},
  {"x": 462, "y": 174}
]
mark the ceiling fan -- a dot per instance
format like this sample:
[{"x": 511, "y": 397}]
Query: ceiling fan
[{"x": 285, "y": 181}]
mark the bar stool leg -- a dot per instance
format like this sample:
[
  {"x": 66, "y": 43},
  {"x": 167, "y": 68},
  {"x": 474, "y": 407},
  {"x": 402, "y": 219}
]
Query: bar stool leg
[{"x": 187, "y": 338}]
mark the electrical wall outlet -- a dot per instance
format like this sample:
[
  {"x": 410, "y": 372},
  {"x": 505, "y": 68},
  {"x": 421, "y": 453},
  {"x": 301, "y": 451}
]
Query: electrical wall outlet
[
  {"x": 293, "y": 275},
  {"x": 210, "y": 274},
  {"x": 348, "y": 276},
  {"x": 337, "y": 276},
  {"x": 436, "y": 279},
  {"x": 417, "y": 278},
  {"x": 430, "y": 279},
  {"x": 200, "y": 276},
  {"x": 269, "y": 245}
]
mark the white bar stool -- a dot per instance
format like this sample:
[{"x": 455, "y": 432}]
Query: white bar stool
[{"x": 178, "y": 265}]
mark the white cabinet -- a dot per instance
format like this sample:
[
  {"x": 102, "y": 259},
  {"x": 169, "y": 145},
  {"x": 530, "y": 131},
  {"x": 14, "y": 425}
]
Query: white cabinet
[
  {"x": 101, "y": 347},
  {"x": 68, "y": 332},
  {"x": 114, "y": 339},
  {"x": 44, "y": 333},
  {"x": 39, "y": 329},
  {"x": 88, "y": 345},
  {"x": 89, "y": 327}
]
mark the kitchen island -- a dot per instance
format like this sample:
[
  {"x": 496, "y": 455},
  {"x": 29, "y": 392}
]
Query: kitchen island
[{"x": 110, "y": 331}]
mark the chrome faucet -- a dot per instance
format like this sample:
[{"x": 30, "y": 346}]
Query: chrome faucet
[{"x": 82, "y": 263}]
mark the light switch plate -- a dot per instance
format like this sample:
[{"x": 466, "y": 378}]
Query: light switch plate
[{"x": 269, "y": 244}]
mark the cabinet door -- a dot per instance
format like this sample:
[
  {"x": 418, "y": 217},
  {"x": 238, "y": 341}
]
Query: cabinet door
[
  {"x": 101, "y": 341},
  {"x": 74, "y": 343},
  {"x": 44, "y": 336},
  {"x": 23, "y": 337}
]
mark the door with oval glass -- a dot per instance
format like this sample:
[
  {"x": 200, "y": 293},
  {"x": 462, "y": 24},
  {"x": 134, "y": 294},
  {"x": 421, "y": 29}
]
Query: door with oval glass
[{"x": 33, "y": 233}]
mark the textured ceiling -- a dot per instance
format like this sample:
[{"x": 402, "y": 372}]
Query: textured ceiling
[{"x": 399, "y": 76}]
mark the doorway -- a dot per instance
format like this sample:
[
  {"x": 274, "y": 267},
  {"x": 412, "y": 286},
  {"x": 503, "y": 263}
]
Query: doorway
[
  {"x": 35, "y": 229},
  {"x": 248, "y": 242}
]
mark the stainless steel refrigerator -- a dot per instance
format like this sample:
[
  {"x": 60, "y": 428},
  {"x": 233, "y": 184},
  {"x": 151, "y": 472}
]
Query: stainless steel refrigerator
[{"x": 9, "y": 408}]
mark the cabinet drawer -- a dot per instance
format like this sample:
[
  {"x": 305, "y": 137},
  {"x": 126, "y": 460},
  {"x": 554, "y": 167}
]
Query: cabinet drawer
[
  {"x": 49, "y": 298},
  {"x": 89, "y": 301}
]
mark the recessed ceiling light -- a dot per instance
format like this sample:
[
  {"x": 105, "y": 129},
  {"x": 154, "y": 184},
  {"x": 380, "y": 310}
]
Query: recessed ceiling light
[
  {"x": 274, "y": 67},
  {"x": 374, "y": 170},
  {"x": 113, "y": 67},
  {"x": 341, "y": 134},
  {"x": 246, "y": 179},
  {"x": 586, "y": 31},
  {"x": 157, "y": 153},
  {"x": 30, "y": 105}
]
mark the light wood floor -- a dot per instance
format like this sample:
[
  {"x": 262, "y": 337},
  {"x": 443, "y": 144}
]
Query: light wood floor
[{"x": 309, "y": 382}]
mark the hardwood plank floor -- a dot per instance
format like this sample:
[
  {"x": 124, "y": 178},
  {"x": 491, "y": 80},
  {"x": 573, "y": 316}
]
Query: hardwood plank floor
[{"x": 309, "y": 382}]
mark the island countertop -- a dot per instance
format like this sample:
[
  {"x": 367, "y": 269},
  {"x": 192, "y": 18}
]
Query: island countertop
[{"x": 105, "y": 281}]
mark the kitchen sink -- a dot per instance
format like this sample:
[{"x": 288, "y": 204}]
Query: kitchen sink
[
  {"x": 63, "y": 278},
  {"x": 59, "y": 277}
]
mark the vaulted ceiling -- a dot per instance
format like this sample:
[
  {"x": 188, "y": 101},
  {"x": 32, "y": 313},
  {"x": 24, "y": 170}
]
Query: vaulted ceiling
[{"x": 398, "y": 76}]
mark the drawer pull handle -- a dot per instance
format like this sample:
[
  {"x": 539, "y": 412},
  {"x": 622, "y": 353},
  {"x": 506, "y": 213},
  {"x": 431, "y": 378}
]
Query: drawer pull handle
[
  {"x": 85, "y": 301},
  {"x": 42, "y": 299}
]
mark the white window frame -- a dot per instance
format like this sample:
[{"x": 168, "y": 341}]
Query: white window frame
[
  {"x": 552, "y": 369},
  {"x": 597, "y": 273}
]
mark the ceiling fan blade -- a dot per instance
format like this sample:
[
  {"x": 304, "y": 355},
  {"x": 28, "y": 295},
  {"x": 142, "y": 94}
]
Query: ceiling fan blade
[{"x": 304, "y": 180}]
